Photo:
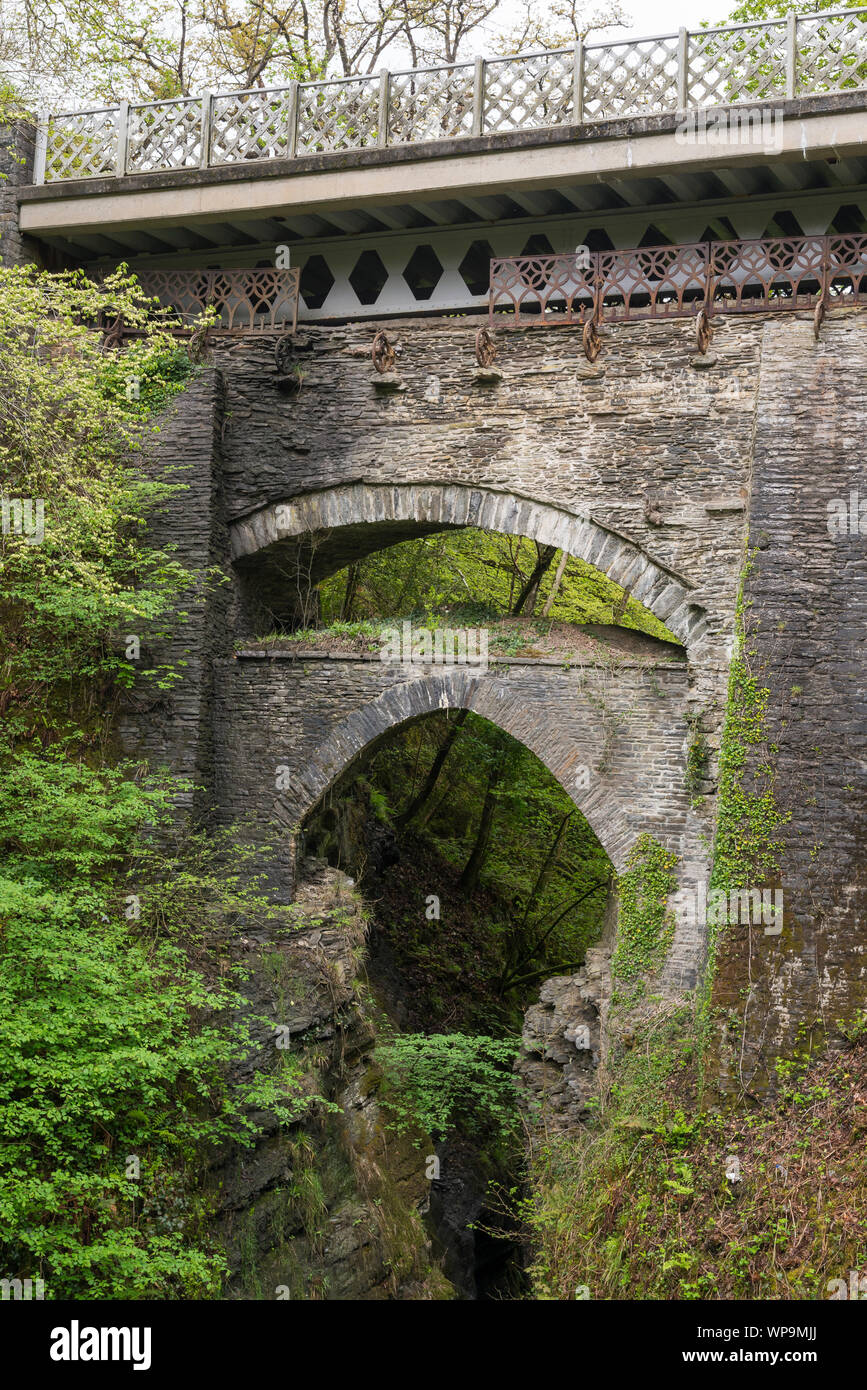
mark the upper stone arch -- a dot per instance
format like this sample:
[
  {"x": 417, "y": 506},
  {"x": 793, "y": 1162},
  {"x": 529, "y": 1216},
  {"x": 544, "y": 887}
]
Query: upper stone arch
[{"x": 369, "y": 516}]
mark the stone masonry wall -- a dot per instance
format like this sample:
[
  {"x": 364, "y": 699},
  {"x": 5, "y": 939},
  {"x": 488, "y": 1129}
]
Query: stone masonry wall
[
  {"x": 806, "y": 615},
  {"x": 174, "y": 727},
  {"x": 16, "y": 168},
  {"x": 660, "y": 449}
]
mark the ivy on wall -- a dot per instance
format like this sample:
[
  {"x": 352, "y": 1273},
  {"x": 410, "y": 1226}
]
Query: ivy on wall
[
  {"x": 747, "y": 850},
  {"x": 646, "y": 923}
]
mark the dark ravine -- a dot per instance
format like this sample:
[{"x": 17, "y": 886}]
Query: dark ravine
[
  {"x": 334, "y": 1208},
  {"x": 471, "y": 1209},
  {"x": 339, "y": 1207}
]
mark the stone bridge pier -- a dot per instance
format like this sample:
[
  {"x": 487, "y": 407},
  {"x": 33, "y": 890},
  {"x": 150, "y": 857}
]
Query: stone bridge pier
[{"x": 613, "y": 733}]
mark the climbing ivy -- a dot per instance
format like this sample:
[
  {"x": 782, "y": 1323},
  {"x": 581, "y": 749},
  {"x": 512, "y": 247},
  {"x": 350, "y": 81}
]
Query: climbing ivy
[
  {"x": 746, "y": 848},
  {"x": 697, "y": 756},
  {"x": 645, "y": 922}
]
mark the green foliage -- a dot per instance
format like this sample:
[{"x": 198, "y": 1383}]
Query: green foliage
[
  {"x": 747, "y": 849},
  {"x": 70, "y": 438},
  {"x": 756, "y": 11},
  {"x": 697, "y": 757},
  {"x": 144, "y": 378},
  {"x": 510, "y": 919},
  {"x": 450, "y": 1081},
  {"x": 111, "y": 1043},
  {"x": 645, "y": 922},
  {"x": 118, "y": 1002},
  {"x": 638, "y": 1204},
  {"x": 478, "y": 576}
]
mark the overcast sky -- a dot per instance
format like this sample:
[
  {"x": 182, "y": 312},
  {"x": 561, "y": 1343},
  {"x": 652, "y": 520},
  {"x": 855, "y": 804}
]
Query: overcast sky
[
  {"x": 664, "y": 16},
  {"x": 648, "y": 16}
]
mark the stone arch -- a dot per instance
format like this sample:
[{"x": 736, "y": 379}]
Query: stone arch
[
  {"x": 389, "y": 514},
  {"x": 605, "y": 808}
]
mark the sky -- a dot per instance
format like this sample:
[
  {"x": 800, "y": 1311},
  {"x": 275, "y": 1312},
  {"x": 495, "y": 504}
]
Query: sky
[
  {"x": 649, "y": 16},
  {"x": 665, "y": 16}
]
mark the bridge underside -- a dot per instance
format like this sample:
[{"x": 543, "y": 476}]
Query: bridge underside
[
  {"x": 412, "y": 229},
  {"x": 283, "y": 551}
]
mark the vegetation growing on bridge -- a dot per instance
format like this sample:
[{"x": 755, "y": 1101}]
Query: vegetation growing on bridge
[{"x": 645, "y": 922}]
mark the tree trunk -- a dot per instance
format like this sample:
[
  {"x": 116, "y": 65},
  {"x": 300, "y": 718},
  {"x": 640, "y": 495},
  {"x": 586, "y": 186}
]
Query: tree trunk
[
  {"x": 520, "y": 942},
  {"x": 558, "y": 580},
  {"x": 424, "y": 795},
  {"x": 353, "y": 575},
  {"x": 469, "y": 879},
  {"x": 526, "y": 601}
]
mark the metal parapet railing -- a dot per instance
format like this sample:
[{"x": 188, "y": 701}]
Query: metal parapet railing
[
  {"x": 246, "y": 301},
  {"x": 653, "y": 282},
  {"x": 777, "y": 59}
]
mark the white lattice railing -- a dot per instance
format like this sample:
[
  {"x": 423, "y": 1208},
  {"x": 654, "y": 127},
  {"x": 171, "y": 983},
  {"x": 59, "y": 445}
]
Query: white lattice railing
[{"x": 781, "y": 58}]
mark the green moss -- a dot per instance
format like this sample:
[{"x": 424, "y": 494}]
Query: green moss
[{"x": 697, "y": 757}]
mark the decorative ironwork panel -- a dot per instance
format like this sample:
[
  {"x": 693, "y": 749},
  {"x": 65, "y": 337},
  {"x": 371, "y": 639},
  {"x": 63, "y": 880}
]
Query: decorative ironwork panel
[
  {"x": 628, "y": 78},
  {"x": 526, "y": 93},
  {"x": 653, "y": 281},
  {"x": 338, "y": 115},
  {"x": 432, "y": 104},
  {"x": 82, "y": 145},
  {"x": 165, "y": 135},
  {"x": 247, "y": 301},
  {"x": 785, "y": 273},
  {"x": 559, "y": 287},
  {"x": 832, "y": 52},
  {"x": 745, "y": 64},
  {"x": 250, "y": 125},
  {"x": 847, "y": 267}
]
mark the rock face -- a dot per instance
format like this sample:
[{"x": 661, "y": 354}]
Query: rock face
[
  {"x": 331, "y": 1207},
  {"x": 560, "y": 1054}
]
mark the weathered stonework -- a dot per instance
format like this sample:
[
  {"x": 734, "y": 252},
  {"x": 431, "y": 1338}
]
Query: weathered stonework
[
  {"x": 287, "y": 729},
  {"x": 648, "y": 466},
  {"x": 16, "y": 170},
  {"x": 806, "y": 621},
  {"x": 352, "y": 521},
  {"x": 174, "y": 727},
  {"x": 333, "y": 1205}
]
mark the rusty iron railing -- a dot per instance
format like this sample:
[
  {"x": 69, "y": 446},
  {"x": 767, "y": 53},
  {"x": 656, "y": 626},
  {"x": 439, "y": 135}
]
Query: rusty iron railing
[
  {"x": 652, "y": 282},
  {"x": 247, "y": 301}
]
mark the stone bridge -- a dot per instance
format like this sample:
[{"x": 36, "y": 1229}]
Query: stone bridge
[
  {"x": 655, "y": 464},
  {"x": 319, "y": 533},
  {"x": 612, "y": 733},
  {"x": 649, "y": 465}
]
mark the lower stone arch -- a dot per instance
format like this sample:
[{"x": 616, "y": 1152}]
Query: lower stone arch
[
  {"x": 604, "y": 808},
  {"x": 392, "y": 513}
]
